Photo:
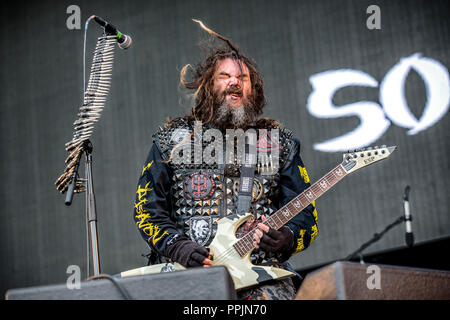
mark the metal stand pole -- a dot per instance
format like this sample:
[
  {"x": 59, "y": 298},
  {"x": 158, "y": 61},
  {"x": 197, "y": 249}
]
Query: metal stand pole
[
  {"x": 91, "y": 210},
  {"x": 376, "y": 237}
]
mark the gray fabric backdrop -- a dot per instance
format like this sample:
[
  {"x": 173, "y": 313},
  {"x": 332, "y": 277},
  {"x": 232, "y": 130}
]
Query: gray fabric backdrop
[{"x": 41, "y": 81}]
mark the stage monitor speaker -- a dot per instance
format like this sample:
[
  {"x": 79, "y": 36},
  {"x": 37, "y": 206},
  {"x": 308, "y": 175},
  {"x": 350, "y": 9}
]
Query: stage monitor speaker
[
  {"x": 355, "y": 281},
  {"x": 214, "y": 283}
]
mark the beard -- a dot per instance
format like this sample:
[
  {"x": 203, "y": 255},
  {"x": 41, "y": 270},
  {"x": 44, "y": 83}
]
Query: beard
[{"x": 228, "y": 117}]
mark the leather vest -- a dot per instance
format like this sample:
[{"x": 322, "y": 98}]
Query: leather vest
[{"x": 203, "y": 193}]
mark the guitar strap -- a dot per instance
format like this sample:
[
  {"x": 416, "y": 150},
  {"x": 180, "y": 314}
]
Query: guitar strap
[{"x": 247, "y": 174}]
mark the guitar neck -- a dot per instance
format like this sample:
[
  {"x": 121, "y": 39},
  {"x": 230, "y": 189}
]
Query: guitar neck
[
  {"x": 353, "y": 160},
  {"x": 293, "y": 207}
]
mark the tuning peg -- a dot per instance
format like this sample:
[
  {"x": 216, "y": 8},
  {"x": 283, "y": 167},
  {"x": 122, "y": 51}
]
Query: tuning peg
[{"x": 391, "y": 149}]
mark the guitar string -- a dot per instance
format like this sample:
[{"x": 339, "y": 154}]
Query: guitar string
[
  {"x": 228, "y": 253},
  {"x": 330, "y": 175},
  {"x": 245, "y": 238}
]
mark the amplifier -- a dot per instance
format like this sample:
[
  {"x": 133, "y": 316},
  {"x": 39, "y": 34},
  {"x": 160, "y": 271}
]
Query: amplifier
[
  {"x": 214, "y": 283},
  {"x": 354, "y": 281}
]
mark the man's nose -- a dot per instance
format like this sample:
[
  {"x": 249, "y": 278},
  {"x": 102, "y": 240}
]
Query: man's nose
[{"x": 235, "y": 81}]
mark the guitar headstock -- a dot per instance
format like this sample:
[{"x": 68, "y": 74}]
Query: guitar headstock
[{"x": 357, "y": 159}]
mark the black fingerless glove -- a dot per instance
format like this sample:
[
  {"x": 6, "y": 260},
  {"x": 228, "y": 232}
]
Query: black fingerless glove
[
  {"x": 280, "y": 241},
  {"x": 188, "y": 253}
]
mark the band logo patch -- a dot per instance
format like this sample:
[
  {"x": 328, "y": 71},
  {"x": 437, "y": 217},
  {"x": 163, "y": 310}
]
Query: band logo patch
[
  {"x": 200, "y": 229},
  {"x": 199, "y": 186}
]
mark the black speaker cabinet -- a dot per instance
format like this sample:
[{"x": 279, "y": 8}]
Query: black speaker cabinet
[{"x": 214, "y": 283}]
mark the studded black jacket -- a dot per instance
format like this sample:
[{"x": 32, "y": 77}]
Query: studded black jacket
[{"x": 179, "y": 199}]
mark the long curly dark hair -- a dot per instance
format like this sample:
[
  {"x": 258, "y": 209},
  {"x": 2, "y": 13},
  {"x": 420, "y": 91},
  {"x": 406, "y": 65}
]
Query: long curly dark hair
[{"x": 202, "y": 82}]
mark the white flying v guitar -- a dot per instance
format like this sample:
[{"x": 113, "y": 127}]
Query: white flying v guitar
[{"x": 234, "y": 253}]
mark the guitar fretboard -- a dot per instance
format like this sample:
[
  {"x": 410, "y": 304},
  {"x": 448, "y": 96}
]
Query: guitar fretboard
[{"x": 293, "y": 207}]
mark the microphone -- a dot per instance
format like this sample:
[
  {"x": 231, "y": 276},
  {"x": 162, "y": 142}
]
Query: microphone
[
  {"x": 123, "y": 40},
  {"x": 409, "y": 236}
]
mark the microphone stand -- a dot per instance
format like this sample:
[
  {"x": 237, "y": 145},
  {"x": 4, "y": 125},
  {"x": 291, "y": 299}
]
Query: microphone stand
[
  {"x": 94, "y": 99},
  {"x": 91, "y": 210},
  {"x": 376, "y": 237}
]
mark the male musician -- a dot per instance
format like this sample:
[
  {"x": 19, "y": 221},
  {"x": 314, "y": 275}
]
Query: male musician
[{"x": 178, "y": 202}]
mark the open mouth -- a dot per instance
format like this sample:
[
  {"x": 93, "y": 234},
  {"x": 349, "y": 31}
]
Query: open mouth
[{"x": 234, "y": 94}]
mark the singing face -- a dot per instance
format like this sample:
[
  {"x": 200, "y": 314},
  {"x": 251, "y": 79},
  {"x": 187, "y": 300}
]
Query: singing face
[{"x": 232, "y": 82}]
